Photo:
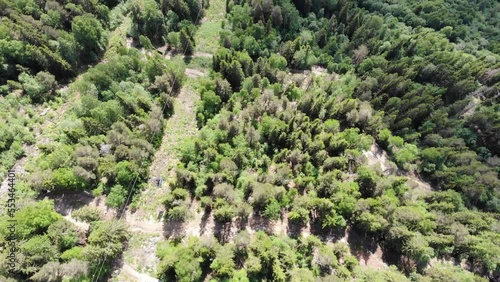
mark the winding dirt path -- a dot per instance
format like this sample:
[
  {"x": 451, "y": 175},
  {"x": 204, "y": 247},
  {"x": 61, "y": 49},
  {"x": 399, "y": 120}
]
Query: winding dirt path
[
  {"x": 194, "y": 73},
  {"x": 195, "y": 55},
  {"x": 128, "y": 270}
]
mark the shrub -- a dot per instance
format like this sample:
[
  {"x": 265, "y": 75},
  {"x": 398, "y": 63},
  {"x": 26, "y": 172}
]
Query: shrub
[{"x": 87, "y": 214}]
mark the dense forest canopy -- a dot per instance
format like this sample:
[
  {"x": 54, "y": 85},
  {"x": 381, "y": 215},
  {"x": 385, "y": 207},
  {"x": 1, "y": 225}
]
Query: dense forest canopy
[{"x": 299, "y": 96}]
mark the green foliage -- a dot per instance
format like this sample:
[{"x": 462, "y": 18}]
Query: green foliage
[
  {"x": 367, "y": 180},
  {"x": 73, "y": 253},
  {"x": 418, "y": 78},
  {"x": 265, "y": 257},
  {"x": 101, "y": 137},
  {"x": 370, "y": 274},
  {"x": 223, "y": 212},
  {"x": 49, "y": 39},
  {"x": 89, "y": 34},
  {"x": 33, "y": 219},
  {"x": 186, "y": 39},
  {"x": 208, "y": 107},
  {"x": 486, "y": 121},
  {"x": 403, "y": 88},
  {"x": 177, "y": 205},
  {"x": 444, "y": 271},
  {"x": 105, "y": 241},
  {"x": 223, "y": 264},
  {"x": 117, "y": 196},
  {"x": 145, "y": 42},
  {"x": 63, "y": 234},
  {"x": 65, "y": 179},
  {"x": 73, "y": 270},
  {"x": 147, "y": 20},
  {"x": 273, "y": 210},
  {"x": 180, "y": 261},
  {"x": 36, "y": 252},
  {"x": 39, "y": 88},
  {"x": 370, "y": 215},
  {"x": 277, "y": 62}
]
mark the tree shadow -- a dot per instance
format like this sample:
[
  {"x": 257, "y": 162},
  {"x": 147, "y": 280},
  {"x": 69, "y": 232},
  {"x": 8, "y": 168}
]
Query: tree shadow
[
  {"x": 242, "y": 223},
  {"x": 392, "y": 256},
  {"x": 361, "y": 245},
  {"x": 188, "y": 59},
  {"x": 294, "y": 229},
  {"x": 261, "y": 223},
  {"x": 173, "y": 229},
  {"x": 326, "y": 234},
  {"x": 160, "y": 215},
  {"x": 64, "y": 203},
  {"x": 222, "y": 231},
  {"x": 117, "y": 263},
  {"x": 204, "y": 222}
]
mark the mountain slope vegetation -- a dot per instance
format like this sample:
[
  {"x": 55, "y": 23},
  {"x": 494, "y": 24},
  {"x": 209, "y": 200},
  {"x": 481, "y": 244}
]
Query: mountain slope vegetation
[{"x": 300, "y": 94}]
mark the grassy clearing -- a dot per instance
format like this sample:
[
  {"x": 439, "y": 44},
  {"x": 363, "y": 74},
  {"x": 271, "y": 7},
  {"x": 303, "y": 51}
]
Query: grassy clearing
[
  {"x": 199, "y": 63},
  {"x": 207, "y": 36},
  {"x": 141, "y": 251},
  {"x": 140, "y": 257},
  {"x": 179, "y": 128}
]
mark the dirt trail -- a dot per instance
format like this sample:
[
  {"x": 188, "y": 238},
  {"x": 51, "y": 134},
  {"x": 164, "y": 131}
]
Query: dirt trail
[
  {"x": 194, "y": 73},
  {"x": 377, "y": 156},
  {"x": 179, "y": 128},
  {"x": 417, "y": 183},
  {"x": 65, "y": 204},
  {"x": 142, "y": 226},
  {"x": 169, "y": 55},
  {"x": 18, "y": 168},
  {"x": 147, "y": 220},
  {"x": 201, "y": 224},
  {"x": 128, "y": 270}
]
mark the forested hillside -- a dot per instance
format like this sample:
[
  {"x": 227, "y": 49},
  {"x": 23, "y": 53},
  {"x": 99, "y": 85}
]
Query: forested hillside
[
  {"x": 103, "y": 128},
  {"x": 270, "y": 148},
  {"x": 329, "y": 141}
]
